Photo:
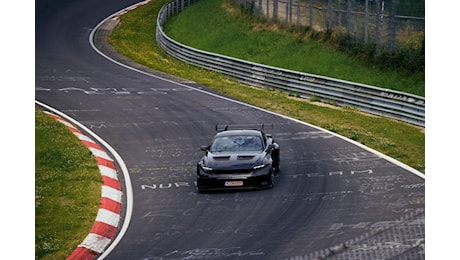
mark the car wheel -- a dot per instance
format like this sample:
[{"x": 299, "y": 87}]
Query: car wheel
[
  {"x": 276, "y": 166},
  {"x": 272, "y": 180}
]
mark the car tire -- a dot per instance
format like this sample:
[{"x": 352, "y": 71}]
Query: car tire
[{"x": 272, "y": 180}]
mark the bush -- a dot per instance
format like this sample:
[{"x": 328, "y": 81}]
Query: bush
[{"x": 407, "y": 58}]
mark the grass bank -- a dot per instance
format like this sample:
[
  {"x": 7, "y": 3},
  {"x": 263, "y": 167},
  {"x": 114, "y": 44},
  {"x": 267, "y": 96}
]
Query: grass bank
[
  {"x": 135, "y": 38},
  {"x": 67, "y": 189},
  {"x": 226, "y": 30}
]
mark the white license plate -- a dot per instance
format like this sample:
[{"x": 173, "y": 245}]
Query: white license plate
[{"x": 233, "y": 183}]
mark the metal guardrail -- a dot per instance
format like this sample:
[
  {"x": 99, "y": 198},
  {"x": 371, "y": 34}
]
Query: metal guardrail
[{"x": 378, "y": 101}]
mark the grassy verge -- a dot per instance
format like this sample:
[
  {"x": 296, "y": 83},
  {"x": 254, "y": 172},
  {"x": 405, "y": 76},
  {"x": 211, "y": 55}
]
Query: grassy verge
[
  {"x": 135, "y": 38},
  {"x": 230, "y": 32},
  {"x": 67, "y": 189}
]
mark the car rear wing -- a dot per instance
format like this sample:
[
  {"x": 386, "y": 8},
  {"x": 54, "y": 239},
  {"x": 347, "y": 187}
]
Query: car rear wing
[{"x": 260, "y": 127}]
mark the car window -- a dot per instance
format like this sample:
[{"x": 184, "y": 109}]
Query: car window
[
  {"x": 237, "y": 143},
  {"x": 252, "y": 143},
  {"x": 264, "y": 139}
]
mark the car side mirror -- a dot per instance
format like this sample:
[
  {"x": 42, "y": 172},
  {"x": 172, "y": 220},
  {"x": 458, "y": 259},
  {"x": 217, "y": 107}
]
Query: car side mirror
[
  {"x": 270, "y": 147},
  {"x": 204, "y": 148}
]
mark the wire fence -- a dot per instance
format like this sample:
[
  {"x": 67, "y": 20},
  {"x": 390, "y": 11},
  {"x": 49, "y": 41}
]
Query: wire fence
[{"x": 383, "y": 22}]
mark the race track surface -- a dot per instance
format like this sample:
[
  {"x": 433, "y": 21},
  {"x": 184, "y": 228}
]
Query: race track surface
[{"x": 332, "y": 197}]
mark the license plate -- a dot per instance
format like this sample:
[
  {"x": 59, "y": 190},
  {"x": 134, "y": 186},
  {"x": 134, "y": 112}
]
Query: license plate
[{"x": 233, "y": 183}]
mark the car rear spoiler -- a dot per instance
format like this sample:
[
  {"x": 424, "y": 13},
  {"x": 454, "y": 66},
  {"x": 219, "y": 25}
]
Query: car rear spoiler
[{"x": 260, "y": 127}]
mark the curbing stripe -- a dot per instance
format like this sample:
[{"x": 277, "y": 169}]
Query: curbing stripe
[
  {"x": 92, "y": 144},
  {"x": 82, "y": 253},
  {"x": 108, "y": 216},
  {"x": 69, "y": 125},
  {"x": 100, "y": 153},
  {"x": 83, "y": 137},
  {"x": 104, "y": 162},
  {"x": 104, "y": 230},
  {"x": 110, "y": 182},
  {"x": 109, "y": 204},
  {"x": 95, "y": 243},
  {"x": 111, "y": 193},
  {"x": 109, "y": 172}
]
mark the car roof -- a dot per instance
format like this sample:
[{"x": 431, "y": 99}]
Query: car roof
[{"x": 239, "y": 132}]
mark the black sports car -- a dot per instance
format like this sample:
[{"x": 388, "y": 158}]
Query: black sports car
[{"x": 239, "y": 159}]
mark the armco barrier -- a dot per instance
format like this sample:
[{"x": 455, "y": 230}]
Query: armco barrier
[{"x": 378, "y": 101}]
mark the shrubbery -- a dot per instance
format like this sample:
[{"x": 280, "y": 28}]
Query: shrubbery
[{"x": 408, "y": 57}]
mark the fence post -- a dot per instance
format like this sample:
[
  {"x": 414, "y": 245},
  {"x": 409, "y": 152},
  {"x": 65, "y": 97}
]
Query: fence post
[
  {"x": 329, "y": 15},
  {"x": 366, "y": 22},
  {"x": 377, "y": 21},
  {"x": 349, "y": 16},
  {"x": 298, "y": 14},
  {"x": 268, "y": 9},
  {"x": 392, "y": 26},
  {"x": 287, "y": 14}
]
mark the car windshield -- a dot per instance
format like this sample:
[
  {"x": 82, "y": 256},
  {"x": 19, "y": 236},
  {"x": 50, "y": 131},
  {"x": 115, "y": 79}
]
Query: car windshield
[{"x": 237, "y": 143}]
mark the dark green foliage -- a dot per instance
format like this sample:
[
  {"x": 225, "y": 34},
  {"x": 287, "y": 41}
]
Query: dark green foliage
[
  {"x": 407, "y": 58},
  {"x": 404, "y": 59}
]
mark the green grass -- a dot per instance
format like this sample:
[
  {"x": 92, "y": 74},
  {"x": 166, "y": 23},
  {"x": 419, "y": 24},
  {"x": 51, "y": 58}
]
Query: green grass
[
  {"x": 238, "y": 35},
  {"x": 67, "y": 189},
  {"x": 134, "y": 38}
]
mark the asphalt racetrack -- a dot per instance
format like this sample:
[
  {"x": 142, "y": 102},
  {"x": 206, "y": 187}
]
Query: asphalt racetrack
[{"x": 332, "y": 198}]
